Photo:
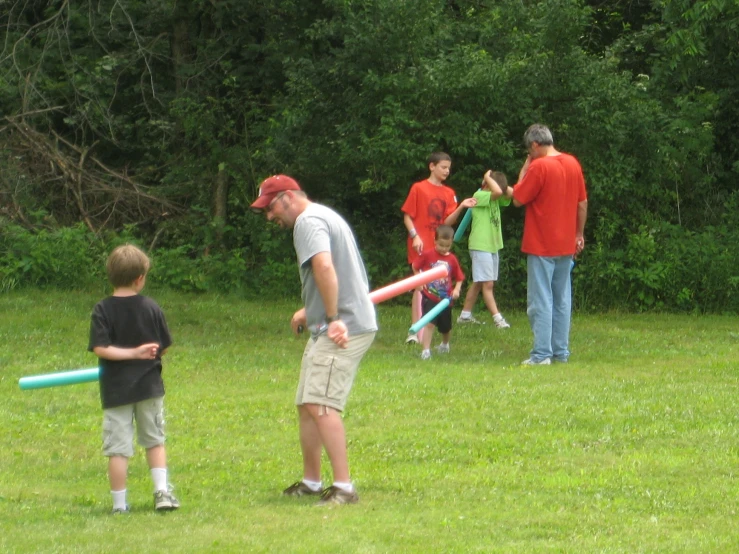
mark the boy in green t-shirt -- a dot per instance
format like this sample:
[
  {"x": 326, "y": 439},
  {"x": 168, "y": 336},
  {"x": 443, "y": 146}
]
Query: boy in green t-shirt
[{"x": 486, "y": 239}]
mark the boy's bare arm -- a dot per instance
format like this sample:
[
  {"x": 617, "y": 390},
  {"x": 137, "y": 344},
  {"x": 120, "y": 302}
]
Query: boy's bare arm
[
  {"x": 146, "y": 351},
  {"x": 415, "y": 237},
  {"x": 466, "y": 203}
]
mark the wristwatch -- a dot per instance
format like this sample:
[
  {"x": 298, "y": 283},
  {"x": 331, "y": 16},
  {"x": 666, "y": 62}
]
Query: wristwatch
[{"x": 332, "y": 318}]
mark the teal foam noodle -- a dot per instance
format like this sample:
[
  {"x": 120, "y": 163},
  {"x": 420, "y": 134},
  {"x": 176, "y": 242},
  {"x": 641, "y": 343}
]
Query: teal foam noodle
[
  {"x": 421, "y": 323},
  {"x": 462, "y": 229},
  {"x": 59, "y": 379}
]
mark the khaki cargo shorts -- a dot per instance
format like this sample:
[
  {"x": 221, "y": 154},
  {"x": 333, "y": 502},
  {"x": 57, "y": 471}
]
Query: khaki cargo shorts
[
  {"x": 327, "y": 372},
  {"x": 118, "y": 426}
]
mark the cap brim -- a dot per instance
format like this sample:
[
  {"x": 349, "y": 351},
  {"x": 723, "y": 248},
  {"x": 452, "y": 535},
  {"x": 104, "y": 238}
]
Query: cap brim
[{"x": 261, "y": 203}]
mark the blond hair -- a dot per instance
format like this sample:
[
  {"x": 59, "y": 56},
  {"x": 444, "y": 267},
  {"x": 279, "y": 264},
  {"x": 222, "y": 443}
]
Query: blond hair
[{"x": 125, "y": 264}]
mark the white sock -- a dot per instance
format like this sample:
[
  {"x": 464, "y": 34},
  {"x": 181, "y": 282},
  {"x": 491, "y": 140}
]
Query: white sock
[
  {"x": 159, "y": 476},
  {"x": 465, "y": 315},
  {"x": 313, "y": 485},
  {"x": 119, "y": 499},
  {"x": 498, "y": 316},
  {"x": 346, "y": 487}
]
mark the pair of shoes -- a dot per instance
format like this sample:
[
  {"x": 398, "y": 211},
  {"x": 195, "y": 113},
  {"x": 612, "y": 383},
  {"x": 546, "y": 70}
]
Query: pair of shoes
[
  {"x": 470, "y": 319},
  {"x": 502, "y": 324},
  {"x": 545, "y": 361},
  {"x": 119, "y": 511},
  {"x": 335, "y": 495},
  {"x": 300, "y": 489},
  {"x": 412, "y": 339},
  {"x": 425, "y": 355},
  {"x": 165, "y": 500},
  {"x": 443, "y": 348}
]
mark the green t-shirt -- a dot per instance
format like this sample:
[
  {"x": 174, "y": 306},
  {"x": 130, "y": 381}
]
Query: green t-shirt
[{"x": 486, "y": 234}]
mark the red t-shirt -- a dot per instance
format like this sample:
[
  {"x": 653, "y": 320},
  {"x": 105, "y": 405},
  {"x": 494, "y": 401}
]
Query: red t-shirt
[
  {"x": 440, "y": 288},
  {"x": 428, "y": 205},
  {"x": 551, "y": 190}
]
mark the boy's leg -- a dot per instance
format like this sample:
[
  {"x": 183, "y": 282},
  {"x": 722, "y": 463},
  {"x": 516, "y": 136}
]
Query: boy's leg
[
  {"x": 470, "y": 298},
  {"x": 117, "y": 472},
  {"x": 150, "y": 427},
  {"x": 428, "y": 333},
  {"x": 487, "y": 295},
  {"x": 118, "y": 447}
]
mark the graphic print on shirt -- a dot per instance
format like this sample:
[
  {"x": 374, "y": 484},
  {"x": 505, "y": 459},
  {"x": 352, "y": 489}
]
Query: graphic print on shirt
[
  {"x": 437, "y": 212},
  {"x": 441, "y": 287}
]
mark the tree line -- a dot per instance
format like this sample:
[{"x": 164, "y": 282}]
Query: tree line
[{"x": 157, "y": 120}]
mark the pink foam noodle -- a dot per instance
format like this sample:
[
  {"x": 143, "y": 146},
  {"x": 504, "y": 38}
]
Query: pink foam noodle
[{"x": 404, "y": 285}]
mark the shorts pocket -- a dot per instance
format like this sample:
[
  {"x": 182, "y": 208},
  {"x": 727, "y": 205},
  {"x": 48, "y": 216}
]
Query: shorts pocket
[{"x": 330, "y": 377}]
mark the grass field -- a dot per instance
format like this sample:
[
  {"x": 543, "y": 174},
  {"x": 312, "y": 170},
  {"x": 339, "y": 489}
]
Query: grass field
[{"x": 631, "y": 447}]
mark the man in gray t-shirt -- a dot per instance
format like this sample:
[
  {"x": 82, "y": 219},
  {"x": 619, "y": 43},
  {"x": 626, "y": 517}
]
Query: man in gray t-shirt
[{"x": 341, "y": 319}]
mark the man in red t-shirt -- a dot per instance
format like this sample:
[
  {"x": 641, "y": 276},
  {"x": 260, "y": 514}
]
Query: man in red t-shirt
[
  {"x": 552, "y": 187},
  {"x": 430, "y": 203}
]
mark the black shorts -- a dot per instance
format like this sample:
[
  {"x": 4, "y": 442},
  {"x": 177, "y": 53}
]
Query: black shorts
[{"x": 443, "y": 321}]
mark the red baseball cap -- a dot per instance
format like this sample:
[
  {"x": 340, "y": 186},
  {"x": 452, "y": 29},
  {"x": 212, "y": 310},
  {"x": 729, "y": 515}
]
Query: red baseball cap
[{"x": 271, "y": 187}]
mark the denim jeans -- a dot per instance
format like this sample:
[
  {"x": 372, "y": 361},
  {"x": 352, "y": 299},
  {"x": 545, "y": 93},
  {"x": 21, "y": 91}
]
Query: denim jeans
[{"x": 549, "y": 299}]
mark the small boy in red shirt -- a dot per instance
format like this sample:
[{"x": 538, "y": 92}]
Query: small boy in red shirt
[{"x": 448, "y": 286}]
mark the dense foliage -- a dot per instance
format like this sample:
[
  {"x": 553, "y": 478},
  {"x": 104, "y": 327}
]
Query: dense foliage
[{"x": 155, "y": 122}]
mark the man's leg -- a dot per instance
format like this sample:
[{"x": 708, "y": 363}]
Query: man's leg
[
  {"x": 310, "y": 444},
  {"x": 561, "y": 308},
  {"x": 330, "y": 431},
  {"x": 539, "y": 299}
]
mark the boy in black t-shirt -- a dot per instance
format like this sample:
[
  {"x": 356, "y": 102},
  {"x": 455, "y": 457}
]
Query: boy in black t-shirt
[{"x": 129, "y": 334}]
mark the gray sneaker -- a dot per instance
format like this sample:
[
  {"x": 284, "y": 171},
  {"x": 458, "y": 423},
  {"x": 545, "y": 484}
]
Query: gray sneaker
[
  {"x": 300, "y": 489},
  {"x": 412, "y": 339},
  {"x": 121, "y": 511},
  {"x": 334, "y": 495},
  {"x": 443, "y": 348},
  {"x": 502, "y": 324},
  {"x": 471, "y": 319},
  {"x": 426, "y": 355},
  {"x": 165, "y": 500},
  {"x": 545, "y": 361}
]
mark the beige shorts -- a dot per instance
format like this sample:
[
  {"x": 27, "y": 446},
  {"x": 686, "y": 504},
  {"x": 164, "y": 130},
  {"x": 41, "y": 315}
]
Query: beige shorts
[
  {"x": 327, "y": 372},
  {"x": 118, "y": 426}
]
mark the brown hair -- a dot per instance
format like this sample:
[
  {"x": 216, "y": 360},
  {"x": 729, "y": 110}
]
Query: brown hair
[
  {"x": 444, "y": 232},
  {"x": 125, "y": 264},
  {"x": 437, "y": 157}
]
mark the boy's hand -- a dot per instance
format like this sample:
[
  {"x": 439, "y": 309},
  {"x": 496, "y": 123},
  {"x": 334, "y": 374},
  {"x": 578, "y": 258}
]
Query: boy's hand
[
  {"x": 146, "y": 351},
  {"x": 418, "y": 244},
  {"x": 468, "y": 203}
]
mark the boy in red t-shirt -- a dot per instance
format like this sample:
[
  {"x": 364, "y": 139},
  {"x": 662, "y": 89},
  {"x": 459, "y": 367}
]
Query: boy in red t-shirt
[
  {"x": 442, "y": 288},
  {"x": 429, "y": 204}
]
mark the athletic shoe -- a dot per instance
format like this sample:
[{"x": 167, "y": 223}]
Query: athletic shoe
[
  {"x": 165, "y": 500},
  {"x": 470, "y": 319},
  {"x": 412, "y": 339},
  {"x": 545, "y": 361},
  {"x": 300, "y": 489},
  {"x": 335, "y": 495},
  {"x": 425, "y": 355},
  {"x": 121, "y": 511},
  {"x": 443, "y": 348},
  {"x": 502, "y": 324}
]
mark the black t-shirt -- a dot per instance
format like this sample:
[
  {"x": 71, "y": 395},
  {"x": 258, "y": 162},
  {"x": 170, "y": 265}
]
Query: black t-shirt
[{"x": 127, "y": 322}]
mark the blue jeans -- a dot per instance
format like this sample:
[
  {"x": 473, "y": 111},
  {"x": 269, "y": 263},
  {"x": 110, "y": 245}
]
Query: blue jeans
[{"x": 549, "y": 300}]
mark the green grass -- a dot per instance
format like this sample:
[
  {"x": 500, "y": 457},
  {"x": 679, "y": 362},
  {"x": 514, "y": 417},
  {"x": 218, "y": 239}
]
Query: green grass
[{"x": 631, "y": 447}]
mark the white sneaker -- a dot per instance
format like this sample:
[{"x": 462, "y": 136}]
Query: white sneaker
[
  {"x": 443, "y": 348},
  {"x": 412, "y": 339},
  {"x": 425, "y": 355},
  {"x": 545, "y": 361},
  {"x": 470, "y": 319},
  {"x": 502, "y": 324}
]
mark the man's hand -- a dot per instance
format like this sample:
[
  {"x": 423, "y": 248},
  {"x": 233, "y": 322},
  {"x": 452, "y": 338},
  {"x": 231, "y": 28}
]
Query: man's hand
[
  {"x": 338, "y": 333},
  {"x": 298, "y": 321},
  {"x": 579, "y": 244}
]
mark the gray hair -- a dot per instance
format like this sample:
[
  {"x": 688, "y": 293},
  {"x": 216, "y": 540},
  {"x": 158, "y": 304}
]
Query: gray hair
[{"x": 538, "y": 133}]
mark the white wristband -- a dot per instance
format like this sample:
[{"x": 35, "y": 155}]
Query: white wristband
[{"x": 412, "y": 233}]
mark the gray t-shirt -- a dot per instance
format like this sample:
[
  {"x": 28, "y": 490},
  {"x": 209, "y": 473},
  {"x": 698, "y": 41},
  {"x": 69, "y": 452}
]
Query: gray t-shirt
[{"x": 320, "y": 229}]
